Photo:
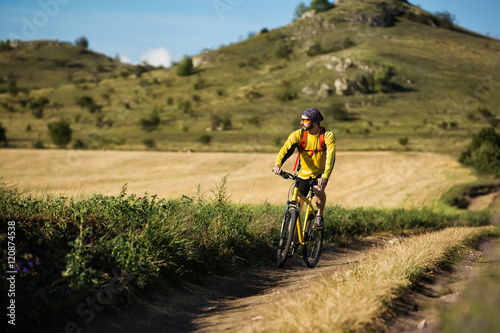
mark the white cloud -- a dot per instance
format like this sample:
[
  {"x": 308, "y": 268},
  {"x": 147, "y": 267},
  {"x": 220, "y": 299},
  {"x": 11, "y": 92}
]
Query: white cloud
[
  {"x": 157, "y": 57},
  {"x": 125, "y": 59}
]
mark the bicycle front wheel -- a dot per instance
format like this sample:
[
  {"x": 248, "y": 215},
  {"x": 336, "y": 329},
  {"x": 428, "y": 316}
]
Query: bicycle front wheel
[
  {"x": 286, "y": 237},
  {"x": 311, "y": 251}
]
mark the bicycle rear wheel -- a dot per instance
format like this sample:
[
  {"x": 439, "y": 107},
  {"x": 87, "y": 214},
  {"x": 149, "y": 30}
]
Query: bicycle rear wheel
[
  {"x": 311, "y": 251},
  {"x": 286, "y": 237}
]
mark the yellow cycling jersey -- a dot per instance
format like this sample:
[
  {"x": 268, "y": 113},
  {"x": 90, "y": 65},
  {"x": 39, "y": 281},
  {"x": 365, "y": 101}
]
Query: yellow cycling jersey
[{"x": 319, "y": 164}]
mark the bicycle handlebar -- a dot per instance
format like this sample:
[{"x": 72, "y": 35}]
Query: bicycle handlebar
[{"x": 286, "y": 175}]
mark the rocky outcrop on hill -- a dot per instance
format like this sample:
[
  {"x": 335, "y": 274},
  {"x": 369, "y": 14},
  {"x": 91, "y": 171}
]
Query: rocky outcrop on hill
[
  {"x": 308, "y": 14},
  {"x": 340, "y": 65}
]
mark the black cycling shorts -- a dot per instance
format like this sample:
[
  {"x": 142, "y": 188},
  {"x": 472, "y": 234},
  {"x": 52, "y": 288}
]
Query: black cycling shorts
[{"x": 304, "y": 186}]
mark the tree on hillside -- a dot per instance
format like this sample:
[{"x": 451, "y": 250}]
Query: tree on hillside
[
  {"x": 82, "y": 42},
  {"x": 60, "y": 133},
  {"x": 483, "y": 153},
  {"x": 321, "y": 5},
  {"x": 447, "y": 16},
  {"x": 300, "y": 10},
  {"x": 185, "y": 66},
  {"x": 150, "y": 123},
  {"x": 317, "y": 5},
  {"x": 3, "y": 136}
]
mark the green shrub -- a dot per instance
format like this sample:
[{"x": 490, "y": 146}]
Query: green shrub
[
  {"x": 3, "y": 134},
  {"x": 439, "y": 20},
  {"x": 285, "y": 92},
  {"x": 381, "y": 80},
  {"x": 141, "y": 69},
  {"x": 185, "y": 67},
  {"x": 60, "y": 133},
  {"x": 283, "y": 50},
  {"x": 254, "y": 62},
  {"x": 12, "y": 88},
  {"x": 38, "y": 144},
  {"x": 317, "y": 5},
  {"x": 124, "y": 74},
  {"x": 149, "y": 143},
  {"x": 80, "y": 144},
  {"x": 196, "y": 98},
  {"x": 205, "y": 139},
  {"x": 82, "y": 42},
  {"x": 314, "y": 49},
  {"x": 89, "y": 103},
  {"x": 62, "y": 61},
  {"x": 255, "y": 121},
  {"x": 321, "y": 5},
  {"x": 403, "y": 141},
  {"x": 184, "y": 105},
  {"x": 200, "y": 84},
  {"x": 225, "y": 123},
  {"x": 347, "y": 42},
  {"x": 5, "y": 46},
  {"x": 37, "y": 113},
  {"x": 101, "y": 121},
  {"x": 447, "y": 19},
  {"x": 483, "y": 153},
  {"x": 150, "y": 123},
  {"x": 39, "y": 103},
  {"x": 300, "y": 10},
  {"x": 37, "y": 106}
]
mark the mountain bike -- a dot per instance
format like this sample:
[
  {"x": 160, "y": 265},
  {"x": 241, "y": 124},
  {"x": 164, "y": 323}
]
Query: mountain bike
[{"x": 297, "y": 229}]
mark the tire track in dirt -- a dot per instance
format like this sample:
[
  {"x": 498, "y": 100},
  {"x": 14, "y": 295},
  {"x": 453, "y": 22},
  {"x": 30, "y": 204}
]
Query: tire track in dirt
[{"x": 232, "y": 303}]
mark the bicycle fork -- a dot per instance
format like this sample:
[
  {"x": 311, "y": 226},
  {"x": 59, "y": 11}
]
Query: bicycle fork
[{"x": 299, "y": 229}]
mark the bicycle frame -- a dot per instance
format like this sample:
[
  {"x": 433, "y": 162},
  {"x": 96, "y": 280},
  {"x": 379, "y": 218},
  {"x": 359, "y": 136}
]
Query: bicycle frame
[{"x": 301, "y": 227}]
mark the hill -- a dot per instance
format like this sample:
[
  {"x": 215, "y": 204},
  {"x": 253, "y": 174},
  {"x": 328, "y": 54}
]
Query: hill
[
  {"x": 386, "y": 74},
  {"x": 49, "y": 64}
]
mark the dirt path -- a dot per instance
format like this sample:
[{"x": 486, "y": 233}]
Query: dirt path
[
  {"x": 241, "y": 302},
  {"x": 231, "y": 303}
]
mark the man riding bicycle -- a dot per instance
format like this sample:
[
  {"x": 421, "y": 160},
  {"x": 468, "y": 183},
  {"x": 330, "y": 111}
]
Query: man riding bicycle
[{"x": 316, "y": 158}]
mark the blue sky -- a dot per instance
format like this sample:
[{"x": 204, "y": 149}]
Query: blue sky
[{"x": 160, "y": 31}]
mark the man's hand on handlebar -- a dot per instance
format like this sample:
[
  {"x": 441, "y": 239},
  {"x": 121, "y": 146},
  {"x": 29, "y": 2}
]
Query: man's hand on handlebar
[{"x": 277, "y": 170}]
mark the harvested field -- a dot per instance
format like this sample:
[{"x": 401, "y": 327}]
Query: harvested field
[{"x": 360, "y": 179}]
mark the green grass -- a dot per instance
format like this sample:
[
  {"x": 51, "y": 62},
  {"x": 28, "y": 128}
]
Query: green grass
[
  {"x": 71, "y": 248},
  {"x": 452, "y": 74}
]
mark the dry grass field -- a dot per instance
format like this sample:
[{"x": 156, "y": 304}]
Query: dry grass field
[{"x": 360, "y": 179}]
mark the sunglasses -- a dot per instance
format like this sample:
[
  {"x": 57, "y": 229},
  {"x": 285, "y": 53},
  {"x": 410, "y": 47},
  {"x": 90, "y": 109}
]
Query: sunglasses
[{"x": 306, "y": 121}]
